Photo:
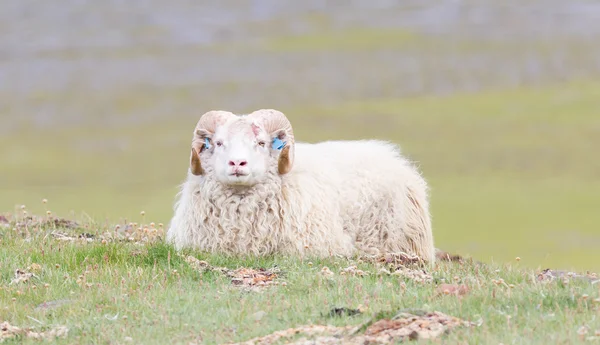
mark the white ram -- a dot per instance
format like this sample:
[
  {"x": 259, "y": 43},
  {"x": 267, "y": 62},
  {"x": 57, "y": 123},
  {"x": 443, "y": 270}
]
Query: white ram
[{"x": 251, "y": 189}]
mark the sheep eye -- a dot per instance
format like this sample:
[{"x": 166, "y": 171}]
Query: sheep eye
[
  {"x": 219, "y": 143},
  {"x": 261, "y": 143}
]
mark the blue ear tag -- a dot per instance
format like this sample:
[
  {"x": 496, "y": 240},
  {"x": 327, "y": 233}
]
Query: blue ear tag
[
  {"x": 277, "y": 144},
  {"x": 206, "y": 143}
]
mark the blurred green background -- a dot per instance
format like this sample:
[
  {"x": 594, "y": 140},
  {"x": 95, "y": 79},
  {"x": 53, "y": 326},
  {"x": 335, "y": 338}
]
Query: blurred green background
[{"x": 497, "y": 101}]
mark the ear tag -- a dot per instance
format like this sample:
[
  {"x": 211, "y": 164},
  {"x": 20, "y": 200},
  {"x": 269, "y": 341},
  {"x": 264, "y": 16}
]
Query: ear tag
[
  {"x": 206, "y": 143},
  {"x": 277, "y": 144}
]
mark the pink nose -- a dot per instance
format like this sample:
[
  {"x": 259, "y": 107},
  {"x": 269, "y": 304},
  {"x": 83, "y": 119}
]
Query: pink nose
[{"x": 238, "y": 162}]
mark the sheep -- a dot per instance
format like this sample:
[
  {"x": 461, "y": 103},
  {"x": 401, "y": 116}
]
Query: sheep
[{"x": 251, "y": 189}]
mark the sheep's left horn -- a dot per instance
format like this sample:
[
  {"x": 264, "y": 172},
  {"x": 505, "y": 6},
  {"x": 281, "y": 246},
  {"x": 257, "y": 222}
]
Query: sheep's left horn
[
  {"x": 277, "y": 124},
  {"x": 195, "y": 165}
]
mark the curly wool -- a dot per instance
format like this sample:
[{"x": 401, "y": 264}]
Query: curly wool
[{"x": 340, "y": 198}]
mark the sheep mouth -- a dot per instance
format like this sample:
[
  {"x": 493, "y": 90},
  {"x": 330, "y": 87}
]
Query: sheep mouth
[{"x": 238, "y": 174}]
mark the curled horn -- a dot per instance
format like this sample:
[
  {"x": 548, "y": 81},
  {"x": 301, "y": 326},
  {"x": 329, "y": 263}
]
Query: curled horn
[
  {"x": 205, "y": 128},
  {"x": 277, "y": 124}
]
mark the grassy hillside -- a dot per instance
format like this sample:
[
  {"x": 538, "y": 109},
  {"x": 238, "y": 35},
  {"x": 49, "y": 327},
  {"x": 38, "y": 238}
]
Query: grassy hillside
[
  {"x": 98, "y": 283},
  {"x": 511, "y": 171}
]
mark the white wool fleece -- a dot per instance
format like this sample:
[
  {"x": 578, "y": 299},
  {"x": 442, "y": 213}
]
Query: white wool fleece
[{"x": 340, "y": 198}]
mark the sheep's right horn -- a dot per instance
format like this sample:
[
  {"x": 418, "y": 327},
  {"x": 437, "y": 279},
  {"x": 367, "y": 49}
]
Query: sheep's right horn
[
  {"x": 195, "y": 165},
  {"x": 205, "y": 128}
]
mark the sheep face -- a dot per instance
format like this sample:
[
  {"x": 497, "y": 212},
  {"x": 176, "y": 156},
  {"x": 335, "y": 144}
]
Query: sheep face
[
  {"x": 242, "y": 150},
  {"x": 242, "y": 153}
]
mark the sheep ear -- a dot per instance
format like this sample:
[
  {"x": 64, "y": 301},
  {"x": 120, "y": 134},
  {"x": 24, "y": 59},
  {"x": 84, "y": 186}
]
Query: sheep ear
[
  {"x": 286, "y": 154},
  {"x": 201, "y": 140},
  {"x": 277, "y": 144},
  {"x": 195, "y": 165},
  {"x": 279, "y": 140}
]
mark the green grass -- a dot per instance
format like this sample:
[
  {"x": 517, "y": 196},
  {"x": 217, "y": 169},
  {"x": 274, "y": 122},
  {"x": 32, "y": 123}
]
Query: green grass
[{"x": 145, "y": 293}]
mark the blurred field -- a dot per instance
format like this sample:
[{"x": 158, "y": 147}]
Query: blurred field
[{"x": 499, "y": 102}]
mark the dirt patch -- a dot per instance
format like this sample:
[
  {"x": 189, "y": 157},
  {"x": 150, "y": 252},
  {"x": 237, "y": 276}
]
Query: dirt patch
[
  {"x": 63, "y": 236},
  {"x": 400, "y": 264},
  {"x": 32, "y": 222},
  {"x": 245, "y": 278},
  {"x": 408, "y": 260},
  {"x": 66, "y": 230},
  {"x": 10, "y": 332},
  {"x": 417, "y": 275},
  {"x": 399, "y": 258},
  {"x": 309, "y": 330},
  {"x": 249, "y": 278},
  {"x": 549, "y": 275},
  {"x": 407, "y": 326},
  {"x": 402, "y": 327}
]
